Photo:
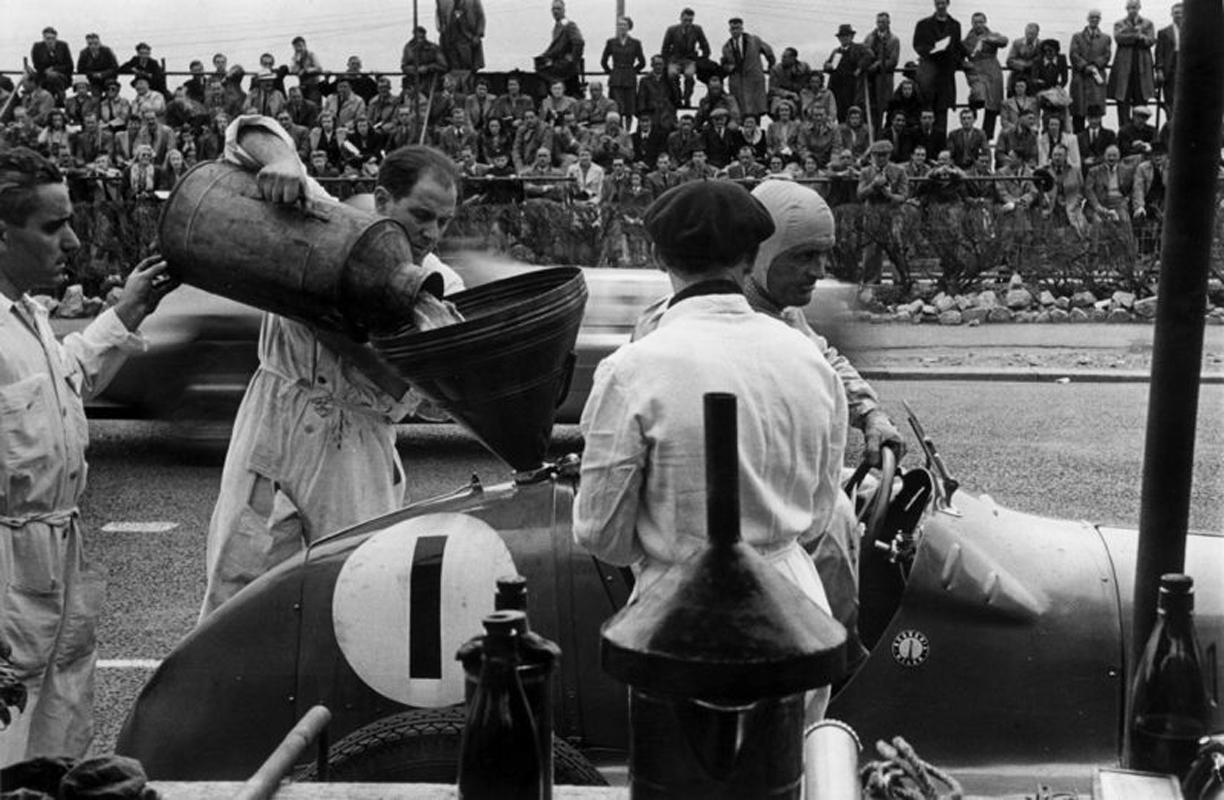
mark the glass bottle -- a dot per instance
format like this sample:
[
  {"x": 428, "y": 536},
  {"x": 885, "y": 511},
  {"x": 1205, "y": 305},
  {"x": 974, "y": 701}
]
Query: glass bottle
[
  {"x": 1169, "y": 709},
  {"x": 538, "y": 658},
  {"x": 499, "y": 755}
]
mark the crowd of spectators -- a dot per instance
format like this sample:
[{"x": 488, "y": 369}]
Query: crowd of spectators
[{"x": 859, "y": 125}]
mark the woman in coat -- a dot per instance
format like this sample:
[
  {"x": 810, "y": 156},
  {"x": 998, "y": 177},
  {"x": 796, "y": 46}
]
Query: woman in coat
[{"x": 984, "y": 74}]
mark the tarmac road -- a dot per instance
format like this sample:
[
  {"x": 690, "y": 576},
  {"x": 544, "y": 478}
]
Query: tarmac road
[{"x": 1067, "y": 450}]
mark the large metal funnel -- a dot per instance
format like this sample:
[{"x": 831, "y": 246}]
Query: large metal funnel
[
  {"x": 503, "y": 371},
  {"x": 724, "y": 624}
]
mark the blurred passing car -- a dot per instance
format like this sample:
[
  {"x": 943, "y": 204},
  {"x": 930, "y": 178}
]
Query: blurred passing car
[{"x": 202, "y": 347}]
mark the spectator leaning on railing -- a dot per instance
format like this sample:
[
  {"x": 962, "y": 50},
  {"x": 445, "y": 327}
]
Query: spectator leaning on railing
[{"x": 787, "y": 120}]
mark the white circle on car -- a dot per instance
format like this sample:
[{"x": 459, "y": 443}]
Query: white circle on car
[
  {"x": 910, "y": 648},
  {"x": 409, "y": 596}
]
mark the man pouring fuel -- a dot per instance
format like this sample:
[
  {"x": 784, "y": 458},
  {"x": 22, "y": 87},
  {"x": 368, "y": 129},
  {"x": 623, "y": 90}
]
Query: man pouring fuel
[{"x": 313, "y": 447}]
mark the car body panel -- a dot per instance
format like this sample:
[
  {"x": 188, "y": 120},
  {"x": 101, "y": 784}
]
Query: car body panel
[{"x": 1023, "y": 619}]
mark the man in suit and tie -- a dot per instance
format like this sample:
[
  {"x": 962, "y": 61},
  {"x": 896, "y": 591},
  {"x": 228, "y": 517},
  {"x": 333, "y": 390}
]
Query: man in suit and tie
[
  {"x": 741, "y": 60},
  {"x": 928, "y": 135},
  {"x": 461, "y": 30},
  {"x": 562, "y": 60},
  {"x": 479, "y": 105},
  {"x": 52, "y": 63},
  {"x": 1168, "y": 42},
  {"x": 1108, "y": 190},
  {"x": 1094, "y": 139},
  {"x": 622, "y": 60},
  {"x": 684, "y": 49},
  {"x": 845, "y": 66}
]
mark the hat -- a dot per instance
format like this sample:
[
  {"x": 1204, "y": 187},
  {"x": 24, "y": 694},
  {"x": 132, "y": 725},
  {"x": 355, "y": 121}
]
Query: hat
[
  {"x": 1141, "y": 111},
  {"x": 265, "y": 75},
  {"x": 85, "y": 82},
  {"x": 1051, "y": 43},
  {"x": 844, "y": 30},
  {"x": 719, "y": 112},
  {"x": 882, "y": 146},
  {"x": 800, "y": 217},
  {"x": 110, "y": 777},
  {"x": 144, "y": 78},
  {"x": 111, "y": 82},
  {"x": 1095, "y": 111},
  {"x": 718, "y": 221}
]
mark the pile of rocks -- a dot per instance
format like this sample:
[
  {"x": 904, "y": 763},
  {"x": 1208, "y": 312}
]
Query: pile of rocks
[
  {"x": 1017, "y": 303},
  {"x": 75, "y": 304}
]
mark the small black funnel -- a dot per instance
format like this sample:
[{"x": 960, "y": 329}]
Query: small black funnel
[
  {"x": 505, "y": 369},
  {"x": 724, "y": 624}
]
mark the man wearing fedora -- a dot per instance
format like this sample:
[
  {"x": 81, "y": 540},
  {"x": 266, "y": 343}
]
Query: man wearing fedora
[{"x": 846, "y": 66}]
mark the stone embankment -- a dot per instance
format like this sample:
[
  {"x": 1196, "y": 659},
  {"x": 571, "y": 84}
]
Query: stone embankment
[{"x": 1018, "y": 303}]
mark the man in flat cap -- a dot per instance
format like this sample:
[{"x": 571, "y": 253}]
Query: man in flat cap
[{"x": 642, "y": 496}]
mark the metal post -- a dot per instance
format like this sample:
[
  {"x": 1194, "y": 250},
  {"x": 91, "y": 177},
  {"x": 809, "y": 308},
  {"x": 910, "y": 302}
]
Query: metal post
[
  {"x": 1168, "y": 462},
  {"x": 620, "y": 10},
  {"x": 722, "y": 469},
  {"x": 416, "y": 56}
]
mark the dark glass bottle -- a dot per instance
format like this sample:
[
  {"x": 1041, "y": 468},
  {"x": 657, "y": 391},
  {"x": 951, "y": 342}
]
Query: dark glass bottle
[
  {"x": 537, "y": 660},
  {"x": 499, "y": 756},
  {"x": 1169, "y": 709}
]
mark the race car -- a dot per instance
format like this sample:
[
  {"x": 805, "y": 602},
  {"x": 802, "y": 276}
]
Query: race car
[
  {"x": 998, "y": 640},
  {"x": 202, "y": 347}
]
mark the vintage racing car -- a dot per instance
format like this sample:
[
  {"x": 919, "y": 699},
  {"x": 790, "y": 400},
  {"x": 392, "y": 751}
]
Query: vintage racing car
[{"x": 998, "y": 639}]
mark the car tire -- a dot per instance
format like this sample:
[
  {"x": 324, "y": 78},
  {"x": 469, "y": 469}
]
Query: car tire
[{"x": 422, "y": 746}]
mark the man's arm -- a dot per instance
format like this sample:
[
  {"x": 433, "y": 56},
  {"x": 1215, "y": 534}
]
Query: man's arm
[
  {"x": 613, "y": 463},
  {"x": 95, "y": 354},
  {"x": 281, "y": 178}
]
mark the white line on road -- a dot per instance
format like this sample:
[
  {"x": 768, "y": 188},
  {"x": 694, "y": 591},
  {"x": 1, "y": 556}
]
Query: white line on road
[
  {"x": 129, "y": 663},
  {"x": 160, "y": 526}
]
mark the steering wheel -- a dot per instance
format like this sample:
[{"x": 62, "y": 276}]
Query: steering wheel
[{"x": 873, "y": 513}]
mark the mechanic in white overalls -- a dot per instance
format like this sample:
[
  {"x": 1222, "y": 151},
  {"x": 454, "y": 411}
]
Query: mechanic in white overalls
[
  {"x": 313, "y": 446},
  {"x": 781, "y": 283},
  {"x": 641, "y": 497},
  {"x": 50, "y": 594}
]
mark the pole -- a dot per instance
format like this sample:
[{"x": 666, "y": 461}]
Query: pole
[
  {"x": 1177, "y": 352},
  {"x": 416, "y": 57},
  {"x": 620, "y": 10}
]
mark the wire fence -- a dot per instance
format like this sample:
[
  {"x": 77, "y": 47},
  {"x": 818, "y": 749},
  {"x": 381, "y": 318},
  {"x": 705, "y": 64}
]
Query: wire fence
[{"x": 957, "y": 245}]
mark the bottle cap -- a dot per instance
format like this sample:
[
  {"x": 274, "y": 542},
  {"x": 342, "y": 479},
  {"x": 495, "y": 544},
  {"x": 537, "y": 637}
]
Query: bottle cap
[
  {"x": 1175, "y": 582},
  {"x": 1176, "y": 593},
  {"x": 506, "y": 623},
  {"x": 511, "y": 592}
]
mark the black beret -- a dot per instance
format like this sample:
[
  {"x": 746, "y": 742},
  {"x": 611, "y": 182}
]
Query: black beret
[{"x": 716, "y": 220}]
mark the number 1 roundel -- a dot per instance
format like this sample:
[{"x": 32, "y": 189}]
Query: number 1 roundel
[{"x": 409, "y": 596}]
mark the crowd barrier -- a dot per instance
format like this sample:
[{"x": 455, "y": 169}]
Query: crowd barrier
[{"x": 954, "y": 244}]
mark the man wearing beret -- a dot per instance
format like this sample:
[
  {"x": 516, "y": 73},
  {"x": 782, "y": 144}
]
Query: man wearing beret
[{"x": 642, "y": 495}]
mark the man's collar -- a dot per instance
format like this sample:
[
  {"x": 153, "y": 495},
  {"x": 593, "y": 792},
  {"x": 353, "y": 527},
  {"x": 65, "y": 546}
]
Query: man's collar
[{"x": 702, "y": 288}]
